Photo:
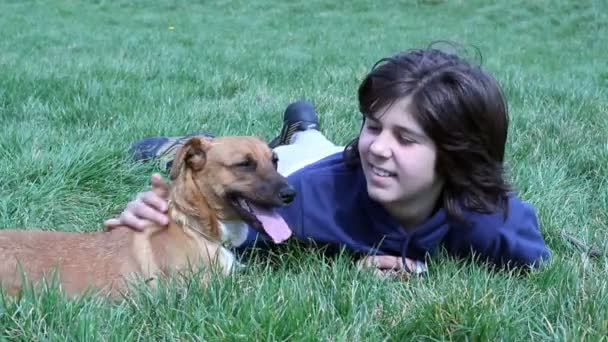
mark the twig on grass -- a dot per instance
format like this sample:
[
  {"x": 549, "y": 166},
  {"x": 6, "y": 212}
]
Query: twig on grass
[{"x": 589, "y": 250}]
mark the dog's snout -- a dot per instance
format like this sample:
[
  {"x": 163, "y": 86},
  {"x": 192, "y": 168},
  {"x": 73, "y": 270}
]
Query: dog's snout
[{"x": 287, "y": 194}]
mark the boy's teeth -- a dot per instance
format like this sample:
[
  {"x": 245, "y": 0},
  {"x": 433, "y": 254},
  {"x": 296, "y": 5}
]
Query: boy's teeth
[{"x": 380, "y": 172}]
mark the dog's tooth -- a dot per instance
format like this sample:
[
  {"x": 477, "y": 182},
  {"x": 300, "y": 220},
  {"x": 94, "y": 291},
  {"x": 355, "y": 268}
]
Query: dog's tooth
[{"x": 248, "y": 206}]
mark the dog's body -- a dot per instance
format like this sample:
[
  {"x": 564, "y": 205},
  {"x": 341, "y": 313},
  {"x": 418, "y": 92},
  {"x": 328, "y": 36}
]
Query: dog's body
[{"x": 216, "y": 192}]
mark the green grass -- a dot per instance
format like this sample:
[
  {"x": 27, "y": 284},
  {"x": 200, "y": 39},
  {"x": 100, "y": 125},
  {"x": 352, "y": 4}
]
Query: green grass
[{"x": 81, "y": 80}]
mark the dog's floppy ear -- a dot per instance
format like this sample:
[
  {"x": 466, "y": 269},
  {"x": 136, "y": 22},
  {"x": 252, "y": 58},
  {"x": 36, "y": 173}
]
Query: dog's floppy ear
[{"x": 192, "y": 155}]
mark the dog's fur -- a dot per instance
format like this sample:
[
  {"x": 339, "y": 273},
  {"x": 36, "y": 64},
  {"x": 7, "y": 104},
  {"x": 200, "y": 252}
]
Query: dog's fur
[{"x": 208, "y": 177}]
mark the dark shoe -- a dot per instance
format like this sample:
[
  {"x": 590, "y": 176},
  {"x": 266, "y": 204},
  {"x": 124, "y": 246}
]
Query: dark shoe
[
  {"x": 299, "y": 116},
  {"x": 162, "y": 149}
]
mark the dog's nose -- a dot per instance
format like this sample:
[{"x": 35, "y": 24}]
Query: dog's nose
[{"x": 287, "y": 194}]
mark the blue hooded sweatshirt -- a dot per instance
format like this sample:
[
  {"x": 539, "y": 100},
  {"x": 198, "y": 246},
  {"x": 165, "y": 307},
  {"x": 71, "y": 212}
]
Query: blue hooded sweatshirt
[{"x": 332, "y": 207}]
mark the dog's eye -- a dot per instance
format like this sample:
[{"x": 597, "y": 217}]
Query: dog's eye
[
  {"x": 275, "y": 160},
  {"x": 247, "y": 163}
]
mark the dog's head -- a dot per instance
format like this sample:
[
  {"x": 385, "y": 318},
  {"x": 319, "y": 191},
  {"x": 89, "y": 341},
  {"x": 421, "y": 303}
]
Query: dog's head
[{"x": 238, "y": 178}]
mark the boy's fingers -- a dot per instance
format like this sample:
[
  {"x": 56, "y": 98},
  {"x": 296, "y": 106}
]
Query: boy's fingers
[
  {"x": 387, "y": 262},
  {"x": 151, "y": 198},
  {"x": 143, "y": 213},
  {"x": 112, "y": 223},
  {"x": 411, "y": 265},
  {"x": 159, "y": 186},
  {"x": 130, "y": 220},
  {"x": 382, "y": 261}
]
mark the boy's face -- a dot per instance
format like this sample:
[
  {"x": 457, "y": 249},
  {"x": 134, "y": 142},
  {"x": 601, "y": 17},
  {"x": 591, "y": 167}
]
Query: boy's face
[{"x": 398, "y": 158}]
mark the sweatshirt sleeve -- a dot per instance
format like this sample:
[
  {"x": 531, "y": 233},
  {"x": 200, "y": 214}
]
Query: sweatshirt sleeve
[{"x": 512, "y": 242}]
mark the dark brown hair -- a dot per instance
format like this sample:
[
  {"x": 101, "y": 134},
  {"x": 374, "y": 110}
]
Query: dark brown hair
[{"x": 461, "y": 108}]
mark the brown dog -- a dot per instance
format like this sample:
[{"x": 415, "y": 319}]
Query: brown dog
[{"x": 219, "y": 187}]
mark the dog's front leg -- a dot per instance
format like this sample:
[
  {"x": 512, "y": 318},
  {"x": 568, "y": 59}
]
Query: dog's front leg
[{"x": 228, "y": 262}]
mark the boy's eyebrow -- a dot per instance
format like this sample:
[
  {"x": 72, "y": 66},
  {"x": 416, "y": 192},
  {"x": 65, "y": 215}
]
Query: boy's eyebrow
[{"x": 403, "y": 129}]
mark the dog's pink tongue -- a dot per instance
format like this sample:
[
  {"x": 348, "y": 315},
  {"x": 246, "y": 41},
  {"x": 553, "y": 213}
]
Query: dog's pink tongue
[{"x": 273, "y": 223}]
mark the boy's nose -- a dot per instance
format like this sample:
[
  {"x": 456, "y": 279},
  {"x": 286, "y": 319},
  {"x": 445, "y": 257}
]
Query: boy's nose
[{"x": 380, "y": 147}]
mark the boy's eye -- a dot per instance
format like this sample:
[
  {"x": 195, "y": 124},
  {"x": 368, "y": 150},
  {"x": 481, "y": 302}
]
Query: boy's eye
[{"x": 405, "y": 140}]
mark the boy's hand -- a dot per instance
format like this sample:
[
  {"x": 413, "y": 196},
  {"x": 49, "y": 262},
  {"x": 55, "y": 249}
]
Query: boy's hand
[
  {"x": 147, "y": 206},
  {"x": 389, "y": 263}
]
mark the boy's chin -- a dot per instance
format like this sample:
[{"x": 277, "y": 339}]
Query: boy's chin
[{"x": 380, "y": 195}]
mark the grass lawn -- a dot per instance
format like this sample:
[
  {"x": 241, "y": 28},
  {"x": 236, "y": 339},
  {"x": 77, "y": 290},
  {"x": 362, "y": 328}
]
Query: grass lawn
[{"x": 81, "y": 80}]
